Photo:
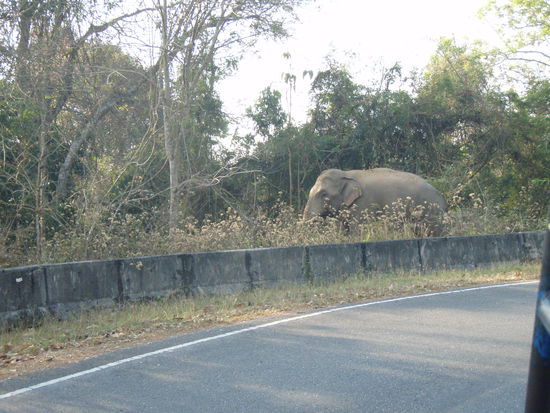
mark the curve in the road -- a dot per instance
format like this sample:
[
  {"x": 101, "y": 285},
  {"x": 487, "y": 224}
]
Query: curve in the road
[{"x": 240, "y": 331}]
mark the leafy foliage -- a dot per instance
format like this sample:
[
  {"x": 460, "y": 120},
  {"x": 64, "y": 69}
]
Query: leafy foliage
[{"x": 93, "y": 143}]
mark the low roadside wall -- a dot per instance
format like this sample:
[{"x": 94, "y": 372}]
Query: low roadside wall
[{"x": 31, "y": 292}]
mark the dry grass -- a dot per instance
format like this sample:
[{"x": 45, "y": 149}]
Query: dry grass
[
  {"x": 132, "y": 236},
  {"x": 54, "y": 342}
]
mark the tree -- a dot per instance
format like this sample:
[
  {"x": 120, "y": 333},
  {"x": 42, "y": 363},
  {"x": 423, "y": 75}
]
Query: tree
[
  {"x": 525, "y": 26},
  {"x": 523, "y": 173},
  {"x": 336, "y": 102},
  {"x": 198, "y": 36},
  {"x": 108, "y": 83},
  {"x": 459, "y": 107},
  {"x": 364, "y": 126},
  {"x": 41, "y": 49},
  {"x": 267, "y": 114},
  {"x": 485, "y": 139},
  {"x": 272, "y": 153},
  {"x": 17, "y": 167}
]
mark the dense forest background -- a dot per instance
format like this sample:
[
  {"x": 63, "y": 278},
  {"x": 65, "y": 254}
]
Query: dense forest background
[{"x": 103, "y": 156}]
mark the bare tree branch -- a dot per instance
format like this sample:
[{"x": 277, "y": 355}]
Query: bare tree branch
[{"x": 199, "y": 180}]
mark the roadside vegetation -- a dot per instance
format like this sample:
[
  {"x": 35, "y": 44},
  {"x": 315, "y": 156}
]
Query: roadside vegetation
[
  {"x": 277, "y": 227},
  {"x": 113, "y": 149},
  {"x": 53, "y": 342}
]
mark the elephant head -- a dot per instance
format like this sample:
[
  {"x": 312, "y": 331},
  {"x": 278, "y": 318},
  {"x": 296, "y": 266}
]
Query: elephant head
[{"x": 333, "y": 191}]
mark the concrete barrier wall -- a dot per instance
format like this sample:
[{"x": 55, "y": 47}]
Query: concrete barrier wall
[{"x": 31, "y": 292}]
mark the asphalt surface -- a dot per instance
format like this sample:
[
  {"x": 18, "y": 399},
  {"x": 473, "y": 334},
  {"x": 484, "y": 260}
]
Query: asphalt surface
[{"x": 461, "y": 352}]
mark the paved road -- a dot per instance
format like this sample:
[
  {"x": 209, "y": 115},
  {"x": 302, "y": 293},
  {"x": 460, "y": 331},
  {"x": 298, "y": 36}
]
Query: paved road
[{"x": 460, "y": 352}]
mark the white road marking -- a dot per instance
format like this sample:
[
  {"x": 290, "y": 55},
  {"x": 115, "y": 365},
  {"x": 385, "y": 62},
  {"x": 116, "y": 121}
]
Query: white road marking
[{"x": 241, "y": 331}]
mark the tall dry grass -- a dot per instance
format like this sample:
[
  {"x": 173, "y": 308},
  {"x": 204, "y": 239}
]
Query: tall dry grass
[{"x": 147, "y": 234}]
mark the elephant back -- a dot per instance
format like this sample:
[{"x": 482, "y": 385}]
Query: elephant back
[{"x": 384, "y": 186}]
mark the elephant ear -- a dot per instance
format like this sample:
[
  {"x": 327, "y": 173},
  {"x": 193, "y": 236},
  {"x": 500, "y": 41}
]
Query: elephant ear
[{"x": 350, "y": 191}]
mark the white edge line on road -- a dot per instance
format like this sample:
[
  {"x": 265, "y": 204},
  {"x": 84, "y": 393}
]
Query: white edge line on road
[{"x": 244, "y": 330}]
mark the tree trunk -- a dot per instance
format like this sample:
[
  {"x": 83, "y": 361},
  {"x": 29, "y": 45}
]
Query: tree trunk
[
  {"x": 40, "y": 195},
  {"x": 174, "y": 193},
  {"x": 289, "y": 177},
  {"x": 85, "y": 133},
  {"x": 170, "y": 143},
  {"x": 298, "y": 186}
]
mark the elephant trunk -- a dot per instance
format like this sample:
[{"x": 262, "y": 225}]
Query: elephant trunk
[
  {"x": 312, "y": 211},
  {"x": 309, "y": 211}
]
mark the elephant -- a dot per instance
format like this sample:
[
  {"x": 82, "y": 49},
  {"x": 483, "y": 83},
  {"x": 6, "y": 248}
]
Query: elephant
[{"x": 374, "y": 190}]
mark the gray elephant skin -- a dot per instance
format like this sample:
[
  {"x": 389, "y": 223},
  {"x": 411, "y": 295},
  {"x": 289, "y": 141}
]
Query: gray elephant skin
[{"x": 371, "y": 191}]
